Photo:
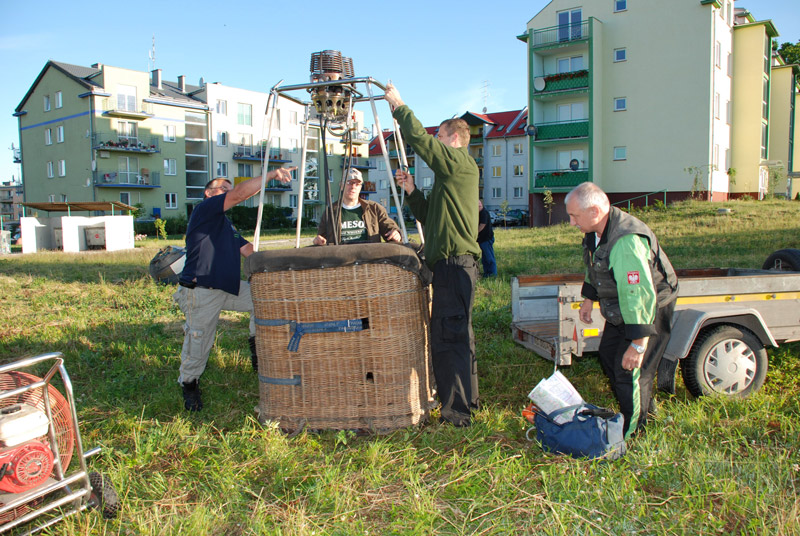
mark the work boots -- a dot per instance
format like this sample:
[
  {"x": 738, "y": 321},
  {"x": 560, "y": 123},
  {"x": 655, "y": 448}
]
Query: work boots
[
  {"x": 191, "y": 396},
  {"x": 253, "y": 356}
]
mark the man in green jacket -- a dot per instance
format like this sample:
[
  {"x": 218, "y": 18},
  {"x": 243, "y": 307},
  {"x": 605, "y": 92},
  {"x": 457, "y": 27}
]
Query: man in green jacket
[
  {"x": 632, "y": 278},
  {"x": 450, "y": 221}
]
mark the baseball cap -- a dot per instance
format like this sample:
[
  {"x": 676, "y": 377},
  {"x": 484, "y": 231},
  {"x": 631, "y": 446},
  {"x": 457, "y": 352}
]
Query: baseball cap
[{"x": 355, "y": 174}]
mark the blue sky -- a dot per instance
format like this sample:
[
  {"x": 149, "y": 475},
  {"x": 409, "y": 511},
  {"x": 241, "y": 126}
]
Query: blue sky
[{"x": 444, "y": 57}]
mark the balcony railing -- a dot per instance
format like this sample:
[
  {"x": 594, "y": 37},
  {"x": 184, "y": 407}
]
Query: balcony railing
[
  {"x": 111, "y": 106},
  {"x": 360, "y": 162},
  {"x": 561, "y": 81},
  {"x": 369, "y": 187},
  {"x": 476, "y": 140},
  {"x": 139, "y": 179},
  {"x": 132, "y": 144},
  {"x": 561, "y": 34},
  {"x": 256, "y": 152},
  {"x": 276, "y": 185},
  {"x": 562, "y": 130},
  {"x": 561, "y": 179}
]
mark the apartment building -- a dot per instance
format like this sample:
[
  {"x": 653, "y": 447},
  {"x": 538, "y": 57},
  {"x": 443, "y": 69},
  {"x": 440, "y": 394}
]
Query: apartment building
[
  {"x": 784, "y": 166},
  {"x": 616, "y": 99},
  {"x": 498, "y": 143},
  {"x": 10, "y": 203},
  {"x": 104, "y": 133}
]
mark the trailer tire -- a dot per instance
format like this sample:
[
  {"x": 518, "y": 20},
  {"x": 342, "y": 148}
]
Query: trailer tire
[
  {"x": 727, "y": 360},
  {"x": 103, "y": 495},
  {"x": 783, "y": 260}
]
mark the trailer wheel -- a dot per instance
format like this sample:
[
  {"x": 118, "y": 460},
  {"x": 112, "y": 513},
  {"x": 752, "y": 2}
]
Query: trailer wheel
[
  {"x": 103, "y": 496},
  {"x": 726, "y": 360},
  {"x": 783, "y": 260}
]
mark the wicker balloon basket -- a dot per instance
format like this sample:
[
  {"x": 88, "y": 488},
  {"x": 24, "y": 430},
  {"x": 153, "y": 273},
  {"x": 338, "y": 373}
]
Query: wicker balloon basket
[{"x": 342, "y": 337}]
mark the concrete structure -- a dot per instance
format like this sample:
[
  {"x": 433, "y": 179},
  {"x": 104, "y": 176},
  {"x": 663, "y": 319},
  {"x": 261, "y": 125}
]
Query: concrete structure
[{"x": 616, "y": 99}]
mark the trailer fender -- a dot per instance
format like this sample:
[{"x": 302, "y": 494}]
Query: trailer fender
[{"x": 687, "y": 323}]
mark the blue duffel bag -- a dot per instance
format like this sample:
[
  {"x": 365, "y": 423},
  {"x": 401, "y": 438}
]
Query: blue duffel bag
[{"x": 592, "y": 432}]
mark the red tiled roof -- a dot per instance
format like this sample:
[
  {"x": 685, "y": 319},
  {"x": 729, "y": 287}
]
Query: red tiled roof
[
  {"x": 374, "y": 144},
  {"x": 504, "y": 123}
]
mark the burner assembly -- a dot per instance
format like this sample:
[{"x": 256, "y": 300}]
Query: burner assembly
[{"x": 333, "y": 102}]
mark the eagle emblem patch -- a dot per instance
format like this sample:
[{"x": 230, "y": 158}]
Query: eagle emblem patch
[{"x": 633, "y": 278}]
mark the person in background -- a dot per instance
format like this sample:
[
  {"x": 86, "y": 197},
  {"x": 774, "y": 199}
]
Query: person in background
[
  {"x": 211, "y": 278},
  {"x": 486, "y": 241},
  {"x": 450, "y": 220},
  {"x": 362, "y": 220},
  {"x": 632, "y": 278}
]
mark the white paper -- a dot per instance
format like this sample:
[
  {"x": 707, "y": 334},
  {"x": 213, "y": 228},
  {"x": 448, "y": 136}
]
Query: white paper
[{"x": 554, "y": 393}]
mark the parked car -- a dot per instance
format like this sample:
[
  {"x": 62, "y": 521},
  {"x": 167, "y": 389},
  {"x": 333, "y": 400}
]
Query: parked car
[{"x": 512, "y": 218}]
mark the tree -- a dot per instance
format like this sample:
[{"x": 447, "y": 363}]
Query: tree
[
  {"x": 790, "y": 52},
  {"x": 504, "y": 208},
  {"x": 548, "y": 204}
]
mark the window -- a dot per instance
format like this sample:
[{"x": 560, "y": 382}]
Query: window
[
  {"x": 222, "y": 169},
  {"x": 730, "y": 64},
  {"x": 245, "y": 170},
  {"x": 291, "y": 146},
  {"x": 125, "y": 197},
  {"x": 620, "y": 104},
  {"x": 50, "y": 172},
  {"x": 51, "y": 198},
  {"x": 620, "y": 5},
  {"x": 276, "y": 119},
  {"x": 716, "y": 105},
  {"x": 718, "y": 55},
  {"x": 48, "y": 136},
  {"x": 222, "y": 138},
  {"x": 729, "y": 12},
  {"x": 569, "y": 24},
  {"x": 727, "y": 159},
  {"x": 47, "y": 103},
  {"x": 765, "y": 100},
  {"x": 222, "y": 107},
  {"x": 620, "y": 153},
  {"x": 573, "y": 63},
  {"x": 427, "y": 182},
  {"x": 169, "y": 133},
  {"x": 383, "y": 184},
  {"x": 63, "y": 198},
  {"x": 497, "y": 193},
  {"x": 728, "y": 112},
  {"x": 293, "y": 200},
  {"x": 292, "y": 117},
  {"x": 517, "y": 192},
  {"x": 128, "y": 130},
  {"x": 715, "y": 157},
  {"x": 497, "y": 150},
  {"x": 170, "y": 166},
  {"x": 620, "y": 54},
  {"x": 330, "y": 175},
  {"x": 62, "y": 168},
  {"x": 764, "y": 140},
  {"x": 381, "y": 164},
  {"x": 519, "y": 170},
  {"x": 59, "y": 100},
  {"x": 245, "y": 115},
  {"x": 60, "y": 134},
  {"x": 518, "y": 148},
  {"x": 170, "y": 200},
  {"x": 497, "y": 171},
  {"x": 126, "y": 98},
  {"x": 722, "y": 10}
]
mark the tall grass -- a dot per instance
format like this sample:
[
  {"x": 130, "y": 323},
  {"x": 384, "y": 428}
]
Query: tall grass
[{"x": 704, "y": 466}]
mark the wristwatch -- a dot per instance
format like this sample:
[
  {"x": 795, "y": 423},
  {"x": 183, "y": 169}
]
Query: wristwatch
[{"x": 638, "y": 347}]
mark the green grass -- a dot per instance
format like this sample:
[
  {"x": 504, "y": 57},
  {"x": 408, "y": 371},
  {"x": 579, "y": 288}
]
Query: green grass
[{"x": 704, "y": 466}]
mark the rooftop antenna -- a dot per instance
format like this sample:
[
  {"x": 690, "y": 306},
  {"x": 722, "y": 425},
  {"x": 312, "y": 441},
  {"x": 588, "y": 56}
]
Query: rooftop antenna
[
  {"x": 152, "y": 55},
  {"x": 485, "y": 91}
]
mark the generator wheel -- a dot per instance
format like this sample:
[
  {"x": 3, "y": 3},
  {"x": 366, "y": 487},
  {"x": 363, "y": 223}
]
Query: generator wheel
[
  {"x": 103, "y": 496},
  {"x": 783, "y": 260},
  {"x": 727, "y": 360}
]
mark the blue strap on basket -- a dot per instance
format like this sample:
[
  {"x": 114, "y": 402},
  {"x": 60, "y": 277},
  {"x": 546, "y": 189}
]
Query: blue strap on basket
[{"x": 301, "y": 328}]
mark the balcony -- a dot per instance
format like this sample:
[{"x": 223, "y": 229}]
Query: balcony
[
  {"x": 476, "y": 140},
  {"x": 359, "y": 162},
  {"x": 256, "y": 153},
  {"x": 560, "y": 35},
  {"x": 562, "y": 130},
  {"x": 113, "y": 108},
  {"x": 369, "y": 187},
  {"x": 277, "y": 186},
  {"x": 311, "y": 197},
  {"x": 478, "y": 160},
  {"x": 560, "y": 179},
  {"x": 129, "y": 144},
  {"x": 562, "y": 82},
  {"x": 143, "y": 178}
]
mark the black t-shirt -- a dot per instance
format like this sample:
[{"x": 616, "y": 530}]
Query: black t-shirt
[
  {"x": 487, "y": 233},
  {"x": 212, "y": 247}
]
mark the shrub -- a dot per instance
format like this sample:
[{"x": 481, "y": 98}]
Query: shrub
[{"x": 272, "y": 218}]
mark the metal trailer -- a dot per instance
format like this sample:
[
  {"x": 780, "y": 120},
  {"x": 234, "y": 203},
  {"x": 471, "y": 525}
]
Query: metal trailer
[
  {"x": 723, "y": 320},
  {"x": 63, "y": 491}
]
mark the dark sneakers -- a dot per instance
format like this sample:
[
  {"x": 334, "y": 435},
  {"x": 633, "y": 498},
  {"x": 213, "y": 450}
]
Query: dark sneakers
[
  {"x": 191, "y": 396},
  {"x": 253, "y": 356}
]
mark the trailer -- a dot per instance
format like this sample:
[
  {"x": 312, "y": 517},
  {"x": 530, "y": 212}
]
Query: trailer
[{"x": 724, "y": 319}]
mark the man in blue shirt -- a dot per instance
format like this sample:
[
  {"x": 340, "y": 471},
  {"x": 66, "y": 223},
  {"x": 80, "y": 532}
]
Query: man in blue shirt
[{"x": 211, "y": 280}]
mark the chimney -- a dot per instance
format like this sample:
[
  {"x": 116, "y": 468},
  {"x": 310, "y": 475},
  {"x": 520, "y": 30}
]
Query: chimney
[
  {"x": 156, "y": 78},
  {"x": 182, "y": 84}
]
